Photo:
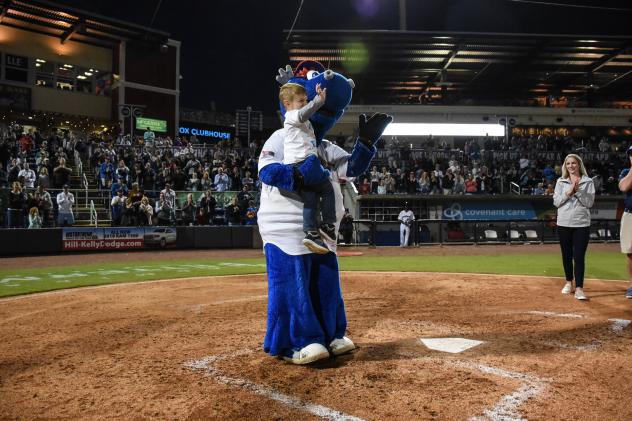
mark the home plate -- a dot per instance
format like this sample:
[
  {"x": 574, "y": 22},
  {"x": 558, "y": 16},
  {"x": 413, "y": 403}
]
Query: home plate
[{"x": 451, "y": 345}]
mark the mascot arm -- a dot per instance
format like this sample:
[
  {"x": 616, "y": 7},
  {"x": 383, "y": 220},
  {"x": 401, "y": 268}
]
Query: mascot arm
[
  {"x": 360, "y": 159},
  {"x": 291, "y": 177}
]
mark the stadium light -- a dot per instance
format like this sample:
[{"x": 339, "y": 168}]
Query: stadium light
[{"x": 444, "y": 129}]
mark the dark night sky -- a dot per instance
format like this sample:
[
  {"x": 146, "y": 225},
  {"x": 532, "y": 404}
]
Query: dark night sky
[{"x": 231, "y": 49}]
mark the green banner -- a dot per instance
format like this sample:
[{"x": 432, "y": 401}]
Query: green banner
[{"x": 155, "y": 125}]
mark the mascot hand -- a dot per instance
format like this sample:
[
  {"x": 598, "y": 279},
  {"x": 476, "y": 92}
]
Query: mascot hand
[
  {"x": 285, "y": 75},
  {"x": 309, "y": 173},
  {"x": 371, "y": 129}
]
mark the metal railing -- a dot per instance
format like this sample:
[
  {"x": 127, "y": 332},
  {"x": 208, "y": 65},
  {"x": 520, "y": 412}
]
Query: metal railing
[
  {"x": 86, "y": 185},
  {"x": 94, "y": 216},
  {"x": 436, "y": 231},
  {"x": 514, "y": 188}
]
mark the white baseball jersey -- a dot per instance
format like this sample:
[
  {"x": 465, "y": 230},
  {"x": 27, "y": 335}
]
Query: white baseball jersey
[
  {"x": 300, "y": 140},
  {"x": 280, "y": 216},
  {"x": 406, "y": 216}
]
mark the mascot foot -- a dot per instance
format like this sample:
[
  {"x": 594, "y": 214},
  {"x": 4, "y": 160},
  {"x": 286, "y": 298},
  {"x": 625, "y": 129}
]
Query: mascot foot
[
  {"x": 308, "y": 354},
  {"x": 341, "y": 346}
]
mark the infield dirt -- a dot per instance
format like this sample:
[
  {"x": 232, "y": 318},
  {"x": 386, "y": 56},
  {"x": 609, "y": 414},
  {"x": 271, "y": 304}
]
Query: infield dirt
[{"x": 122, "y": 351}]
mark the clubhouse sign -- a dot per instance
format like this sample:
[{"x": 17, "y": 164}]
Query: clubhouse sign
[{"x": 206, "y": 131}]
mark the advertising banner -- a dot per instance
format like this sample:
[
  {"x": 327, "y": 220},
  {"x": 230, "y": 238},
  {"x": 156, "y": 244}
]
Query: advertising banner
[
  {"x": 155, "y": 125},
  {"x": 117, "y": 238},
  {"x": 471, "y": 211}
]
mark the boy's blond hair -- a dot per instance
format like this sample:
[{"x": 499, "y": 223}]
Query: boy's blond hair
[{"x": 290, "y": 90}]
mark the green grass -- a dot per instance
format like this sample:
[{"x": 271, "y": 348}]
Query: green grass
[{"x": 28, "y": 280}]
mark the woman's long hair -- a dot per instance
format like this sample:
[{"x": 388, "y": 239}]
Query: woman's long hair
[{"x": 582, "y": 169}]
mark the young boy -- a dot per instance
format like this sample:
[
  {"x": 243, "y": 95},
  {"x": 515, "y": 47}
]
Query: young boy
[{"x": 300, "y": 143}]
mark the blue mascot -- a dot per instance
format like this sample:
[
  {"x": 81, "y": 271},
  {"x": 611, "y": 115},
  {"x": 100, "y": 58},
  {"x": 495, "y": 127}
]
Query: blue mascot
[{"x": 306, "y": 312}]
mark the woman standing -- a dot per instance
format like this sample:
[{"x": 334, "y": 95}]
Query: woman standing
[{"x": 574, "y": 196}]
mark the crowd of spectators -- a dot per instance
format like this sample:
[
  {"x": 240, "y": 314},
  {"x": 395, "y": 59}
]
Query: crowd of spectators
[
  {"x": 529, "y": 164},
  {"x": 139, "y": 175}
]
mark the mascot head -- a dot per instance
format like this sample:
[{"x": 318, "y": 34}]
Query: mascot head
[{"x": 339, "y": 91}]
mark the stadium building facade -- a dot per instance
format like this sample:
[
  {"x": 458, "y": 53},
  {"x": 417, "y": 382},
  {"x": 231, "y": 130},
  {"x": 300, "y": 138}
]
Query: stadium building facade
[{"x": 56, "y": 59}]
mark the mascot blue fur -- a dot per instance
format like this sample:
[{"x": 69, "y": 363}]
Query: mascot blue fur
[{"x": 306, "y": 312}]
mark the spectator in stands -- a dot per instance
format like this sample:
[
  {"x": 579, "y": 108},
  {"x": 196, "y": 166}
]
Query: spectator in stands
[
  {"x": 243, "y": 198},
  {"x": 118, "y": 185},
  {"x": 146, "y": 212},
  {"x": 247, "y": 181},
  {"x": 43, "y": 178},
  {"x": 381, "y": 187},
  {"x": 106, "y": 172},
  {"x": 207, "y": 208},
  {"x": 235, "y": 179},
  {"x": 194, "y": 182},
  {"x": 574, "y": 196},
  {"x": 206, "y": 183},
  {"x": 132, "y": 206},
  {"x": 170, "y": 195},
  {"x": 470, "y": 185},
  {"x": 424, "y": 183},
  {"x": 222, "y": 182},
  {"x": 44, "y": 203},
  {"x": 149, "y": 177},
  {"x": 164, "y": 210},
  {"x": 435, "y": 184},
  {"x": 14, "y": 170},
  {"x": 149, "y": 137},
  {"x": 375, "y": 179},
  {"x": 35, "y": 221},
  {"x": 364, "y": 187},
  {"x": 538, "y": 190},
  {"x": 29, "y": 176},
  {"x": 448, "y": 182},
  {"x": 117, "y": 206},
  {"x": 65, "y": 202},
  {"x": 233, "y": 213},
  {"x": 188, "y": 210},
  {"x": 61, "y": 174},
  {"x": 251, "y": 214},
  {"x": 179, "y": 179},
  {"x": 17, "y": 203},
  {"x": 122, "y": 172},
  {"x": 459, "y": 184}
]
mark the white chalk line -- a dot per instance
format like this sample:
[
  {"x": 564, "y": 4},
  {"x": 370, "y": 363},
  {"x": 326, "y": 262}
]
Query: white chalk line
[
  {"x": 552, "y": 314},
  {"x": 205, "y": 365},
  {"x": 618, "y": 325},
  {"x": 507, "y": 408}
]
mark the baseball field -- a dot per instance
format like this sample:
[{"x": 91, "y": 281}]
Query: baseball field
[{"x": 461, "y": 332}]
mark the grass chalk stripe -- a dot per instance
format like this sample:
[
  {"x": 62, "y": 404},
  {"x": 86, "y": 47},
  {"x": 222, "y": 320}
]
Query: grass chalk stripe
[{"x": 205, "y": 365}]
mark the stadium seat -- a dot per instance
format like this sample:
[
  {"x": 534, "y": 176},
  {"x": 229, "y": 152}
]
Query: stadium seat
[
  {"x": 604, "y": 234},
  {"x": 531, "y": 234},
  {"x": 514, "y": 235},
  {"x": 491, "y": 235}
]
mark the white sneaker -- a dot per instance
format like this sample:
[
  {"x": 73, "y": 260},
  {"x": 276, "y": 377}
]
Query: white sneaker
[
  {"x": 568, "y": 288},
  {"x": 579, "y": 294},
  {"x": 308, "y": 354},
  {"x": 341, "y": 346}
]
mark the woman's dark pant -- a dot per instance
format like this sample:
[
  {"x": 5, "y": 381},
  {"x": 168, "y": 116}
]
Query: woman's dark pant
[{"x": 574, "y": 242}]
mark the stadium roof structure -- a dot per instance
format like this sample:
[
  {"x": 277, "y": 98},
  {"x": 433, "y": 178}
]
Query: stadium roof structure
[
  {"x": 412, "y": 67},
  {"x": 68, "y": 23}
]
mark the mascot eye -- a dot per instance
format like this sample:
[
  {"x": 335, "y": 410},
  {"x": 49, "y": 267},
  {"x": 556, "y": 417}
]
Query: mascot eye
[{"x": 312, "y": 74}]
